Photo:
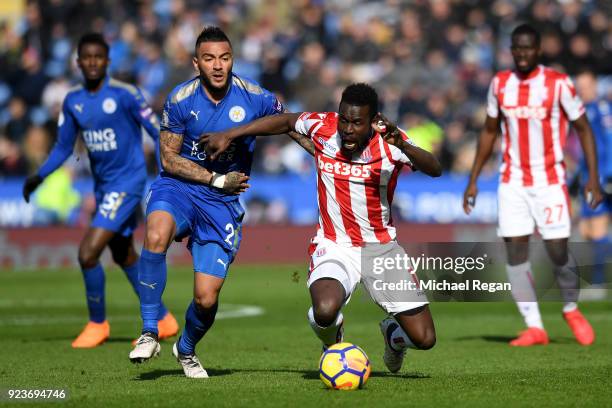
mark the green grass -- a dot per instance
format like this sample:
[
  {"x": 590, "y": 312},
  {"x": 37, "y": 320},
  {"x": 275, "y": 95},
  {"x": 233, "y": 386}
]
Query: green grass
[{"x": 271, "y": 359}]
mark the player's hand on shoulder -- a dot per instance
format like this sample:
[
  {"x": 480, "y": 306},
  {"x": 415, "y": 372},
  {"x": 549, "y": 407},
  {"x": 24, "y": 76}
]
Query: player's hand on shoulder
[
  {"x": 236, "y": 182},
  {"x": 388, "y": 130},
  {"x": 215, "y": 143},
  {"x": 30, "y": 185}
]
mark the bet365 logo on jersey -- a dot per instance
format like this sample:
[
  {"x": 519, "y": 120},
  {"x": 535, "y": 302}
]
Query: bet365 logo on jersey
[
  {"x": 344, "y": 169},
  {"x": 525, "y": 112}
]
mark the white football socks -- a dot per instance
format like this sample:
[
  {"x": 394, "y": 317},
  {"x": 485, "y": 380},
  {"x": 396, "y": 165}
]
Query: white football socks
[
  {"x": 524, "y": 294},
  {"x": 326, "y": 334}
]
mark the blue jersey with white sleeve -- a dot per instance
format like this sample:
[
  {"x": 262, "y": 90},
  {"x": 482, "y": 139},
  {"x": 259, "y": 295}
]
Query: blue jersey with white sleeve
[
  {"x": 209, "y": 216},
  {"x": 109, "y": 122},
  {"x": 189, "y": 112}
]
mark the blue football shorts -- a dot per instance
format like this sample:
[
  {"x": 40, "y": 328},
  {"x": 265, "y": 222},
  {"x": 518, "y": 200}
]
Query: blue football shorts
[
  {"x": 117, "y": 211},
  {"x": 214, "y": 226}
]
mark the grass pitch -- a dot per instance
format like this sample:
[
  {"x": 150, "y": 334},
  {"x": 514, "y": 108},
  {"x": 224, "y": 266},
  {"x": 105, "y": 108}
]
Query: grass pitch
[{"x": 270, "y": 359}]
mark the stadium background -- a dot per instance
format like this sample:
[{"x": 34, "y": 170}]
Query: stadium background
[{"x": 431, "y": 62}]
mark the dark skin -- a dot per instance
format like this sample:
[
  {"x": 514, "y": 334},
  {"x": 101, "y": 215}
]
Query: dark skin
[
  {"x": 356, "y": 125},
  {"x": 93, "y": 62},
  {"x": 526, "y": 52}
]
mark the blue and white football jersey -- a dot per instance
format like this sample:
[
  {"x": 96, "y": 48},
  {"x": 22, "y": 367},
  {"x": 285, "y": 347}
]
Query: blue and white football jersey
[
  {"x": 190, "y": 112},
  {"x": 109, "y": 122}
]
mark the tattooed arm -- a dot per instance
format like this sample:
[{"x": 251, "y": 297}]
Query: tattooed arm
[{"x": 172, "y": 162}]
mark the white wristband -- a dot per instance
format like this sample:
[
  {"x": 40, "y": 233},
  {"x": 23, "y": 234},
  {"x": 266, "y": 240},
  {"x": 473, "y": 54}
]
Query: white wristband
[{"x": 217, "y": 180}]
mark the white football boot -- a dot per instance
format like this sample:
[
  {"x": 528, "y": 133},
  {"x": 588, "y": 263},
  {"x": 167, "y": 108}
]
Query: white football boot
[
  {"x": 147, "y": 347},
  {"x": 190, "y": 363},
  {"x": 339, "y": 337},
  {"x": 393, "y": 359}
]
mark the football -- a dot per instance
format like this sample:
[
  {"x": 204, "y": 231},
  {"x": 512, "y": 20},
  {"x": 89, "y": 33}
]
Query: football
[{"x": 344, "y": 366}]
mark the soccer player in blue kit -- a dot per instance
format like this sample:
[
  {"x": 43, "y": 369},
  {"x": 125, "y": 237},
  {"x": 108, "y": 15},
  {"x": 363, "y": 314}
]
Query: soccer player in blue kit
[
  {"x": 109, "y": 115},
  {"x": 197, "y": 197},
  {"x": 594, "y": 222}
]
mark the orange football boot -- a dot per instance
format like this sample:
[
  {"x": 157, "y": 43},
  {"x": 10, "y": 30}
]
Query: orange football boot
[
  {"x": 580, "y": 327},
  {"x": 166, "y": 327},
  {"x": 92, "y": 335},
  {"x": 530, "y": 337}
]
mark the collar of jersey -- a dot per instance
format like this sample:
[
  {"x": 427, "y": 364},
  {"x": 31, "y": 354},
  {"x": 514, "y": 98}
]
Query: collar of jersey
[{"x": 531, "y": 75}]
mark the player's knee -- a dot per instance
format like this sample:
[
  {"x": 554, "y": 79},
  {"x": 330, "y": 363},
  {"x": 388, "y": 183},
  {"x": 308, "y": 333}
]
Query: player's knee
[
  {"x": 325, "y": 312},
  {"x": 425, "y": 340},
  {"x": 87, "y": 257},
  {"x": 205, "y": 300},
  {"x": 156, "y": 241}
]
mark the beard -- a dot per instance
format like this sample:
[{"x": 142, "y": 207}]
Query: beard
[{"x": 210, "y": 85}]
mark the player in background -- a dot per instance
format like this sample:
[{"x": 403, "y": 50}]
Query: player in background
[
  {"x": 533, "y": 106},
  {"x": 594, "y": 222},
  {"x": 109, "y": 115},
  {"x": 359, "y": 155},
  {"x": 196, "y": 197}
]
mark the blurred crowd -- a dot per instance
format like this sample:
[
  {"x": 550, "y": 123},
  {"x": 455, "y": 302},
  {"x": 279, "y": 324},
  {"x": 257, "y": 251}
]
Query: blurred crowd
[{"x": 431, "y": 61}]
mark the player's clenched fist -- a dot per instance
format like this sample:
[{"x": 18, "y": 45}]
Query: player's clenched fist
[
  {"x": 30, "y": 185},
  {"x": 387, "y": 130},
  {"x": 215, "y": 143}
]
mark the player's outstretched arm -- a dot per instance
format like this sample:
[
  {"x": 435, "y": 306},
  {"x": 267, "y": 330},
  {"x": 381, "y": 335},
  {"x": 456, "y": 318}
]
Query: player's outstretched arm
[
  {"x": 483, "y": 152},
  {"x": 304, "y": 141},
  {"x": 421, "y": 159},
  {"x": 172, "y": 162},
  {"x": 66, "y": 137},
  {"x": 60, "y": 152},
  {"x": 216, "y": 143},
  {"x": 592, "y": 190}
]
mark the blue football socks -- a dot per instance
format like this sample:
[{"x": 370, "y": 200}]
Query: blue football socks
[
  {"x": 132, "y": 274},
  {"x": 94, "y": 290},
  {"x": 600, "y": 249},
  {"x": 197, "y": 323},
  {"x": 151, "y": 283}
]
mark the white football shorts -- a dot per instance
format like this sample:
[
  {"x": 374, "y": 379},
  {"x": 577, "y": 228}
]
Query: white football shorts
[
  {"x": 344, "y": 263},
  {"x": 521, "y": 209}
]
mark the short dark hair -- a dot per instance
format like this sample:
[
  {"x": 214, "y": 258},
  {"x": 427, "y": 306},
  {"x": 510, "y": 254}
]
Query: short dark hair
[
  {"x": 212, "y": 34},
  {"x": 528, "y": 30},
  {"x": 361, "y": 94},
  {"x": 92, "y": 38},
  {"x": 585, "y": 70}
]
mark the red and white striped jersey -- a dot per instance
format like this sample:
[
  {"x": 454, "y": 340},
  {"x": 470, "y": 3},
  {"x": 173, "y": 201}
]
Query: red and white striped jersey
[
  {"x": 354, "y": 193},
  {"x": 534, "y": 119}
]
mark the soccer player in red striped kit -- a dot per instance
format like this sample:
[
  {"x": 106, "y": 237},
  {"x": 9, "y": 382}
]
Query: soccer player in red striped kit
[
  {"x": 533, "y": 106},
  {"x": 359, "y": 155}
]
